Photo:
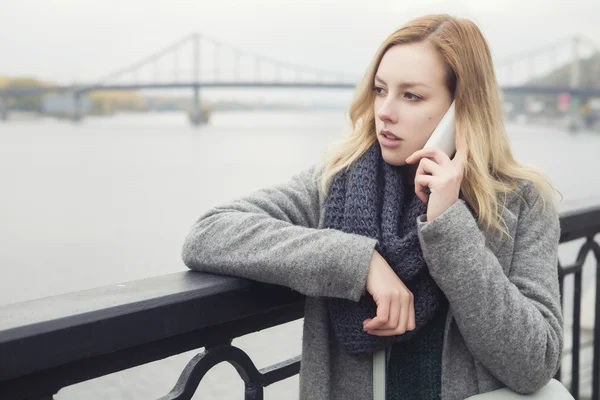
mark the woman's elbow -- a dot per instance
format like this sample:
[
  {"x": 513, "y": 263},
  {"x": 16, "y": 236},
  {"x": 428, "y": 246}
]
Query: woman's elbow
[
  {"x": 531, "y": 378},
  {"x": 193, "y": 243},
  {"x": 188, "y": 252},
  {"x": 531, "y": 383}
]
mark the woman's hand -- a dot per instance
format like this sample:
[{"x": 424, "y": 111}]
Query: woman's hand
[
  {"x": 442, "y": 175},
  {"x": 395, "y": 303}
]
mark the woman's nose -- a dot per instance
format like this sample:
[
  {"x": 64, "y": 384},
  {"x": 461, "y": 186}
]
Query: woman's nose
[{"x": 387, "y": 113}]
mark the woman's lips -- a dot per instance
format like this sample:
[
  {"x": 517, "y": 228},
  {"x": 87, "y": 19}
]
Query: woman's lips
[
  {"x": 388, "y": 139},
  {"x": 388, "y": 134}
]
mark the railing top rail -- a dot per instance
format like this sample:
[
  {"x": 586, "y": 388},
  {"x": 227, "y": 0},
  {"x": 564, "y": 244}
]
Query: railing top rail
[
  {"x": 71, "y": 309},
  {"x": 51, "y": 331},
  {"x": 579, "y": 218}
]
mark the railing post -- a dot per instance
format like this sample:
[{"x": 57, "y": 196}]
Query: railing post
[
  {"x": 561, "y": 288},
  {"x": 574, "y": 83},
  {"x": 254, "y": 393},
  {"x": 76, "y": 117},
  {"x": 596, "y": 359},
  {"x": 196, "y": 113},
  {"x": 3, "y": 109}
]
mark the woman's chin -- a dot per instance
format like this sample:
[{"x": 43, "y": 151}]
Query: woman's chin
[{"x": 392, "y": 157}]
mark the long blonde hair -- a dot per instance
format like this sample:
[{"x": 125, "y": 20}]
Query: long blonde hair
[{"x": 491, "y": 171}]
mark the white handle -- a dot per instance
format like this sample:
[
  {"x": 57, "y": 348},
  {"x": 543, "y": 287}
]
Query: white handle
[{"x": 379, "y": 375}]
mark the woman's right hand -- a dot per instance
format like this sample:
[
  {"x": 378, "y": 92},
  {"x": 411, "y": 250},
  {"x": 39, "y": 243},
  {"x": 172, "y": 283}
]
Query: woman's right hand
[{"x": 395, "y": 303}]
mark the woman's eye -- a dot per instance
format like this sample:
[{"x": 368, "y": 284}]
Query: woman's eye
[
  {"x": 411, "y": 96},
  {"x": 378, "y": 90}
]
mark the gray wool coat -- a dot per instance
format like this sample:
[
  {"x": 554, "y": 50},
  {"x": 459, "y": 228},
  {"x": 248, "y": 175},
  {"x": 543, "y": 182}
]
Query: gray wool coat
[{"x": 504, "y": 327}]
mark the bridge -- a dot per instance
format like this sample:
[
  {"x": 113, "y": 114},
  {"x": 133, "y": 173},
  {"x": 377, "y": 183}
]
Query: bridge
[{"x": 200, "y": 61}]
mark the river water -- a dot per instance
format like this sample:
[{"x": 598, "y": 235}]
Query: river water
[{"x": 111, "y": 199}]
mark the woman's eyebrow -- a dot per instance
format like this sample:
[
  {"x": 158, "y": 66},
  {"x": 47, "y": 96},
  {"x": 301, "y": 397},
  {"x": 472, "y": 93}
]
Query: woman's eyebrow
[{"x": 403, "y": 84}]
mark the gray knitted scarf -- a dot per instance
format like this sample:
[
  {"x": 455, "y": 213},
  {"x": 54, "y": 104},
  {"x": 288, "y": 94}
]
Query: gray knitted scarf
[{"x": 369, "y": 200}]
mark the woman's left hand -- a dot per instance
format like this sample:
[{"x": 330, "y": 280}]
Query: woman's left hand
[{"x": 441, "y": 174}]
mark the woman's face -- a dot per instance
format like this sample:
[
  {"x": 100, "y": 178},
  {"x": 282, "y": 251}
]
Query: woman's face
[{"x": 411, "y": 97}]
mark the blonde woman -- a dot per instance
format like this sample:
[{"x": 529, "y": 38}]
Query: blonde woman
[{"x": 449, "y": 264}]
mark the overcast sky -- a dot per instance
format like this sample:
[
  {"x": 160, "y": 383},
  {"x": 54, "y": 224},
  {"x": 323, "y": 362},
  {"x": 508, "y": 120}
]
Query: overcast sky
[{"x": 82, "y": 40}]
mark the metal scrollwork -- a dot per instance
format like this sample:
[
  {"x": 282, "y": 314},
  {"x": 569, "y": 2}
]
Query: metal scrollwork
[{"x": 254, "y": 380}]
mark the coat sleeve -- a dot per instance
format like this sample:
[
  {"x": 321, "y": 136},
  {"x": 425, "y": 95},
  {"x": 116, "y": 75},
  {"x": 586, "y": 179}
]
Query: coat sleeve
[
  {"x": 513, "y": 323},
  {"x": 272, "y": 236}
]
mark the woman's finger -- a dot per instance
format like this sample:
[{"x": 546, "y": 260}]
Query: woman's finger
[
  {"x": 424, "y": 180},
  {"x": 435, "y": 152},
  {"x": 410, "y": 323},
  {"x": 395, "y": 313},
  {"x": 420, "y": 192},
  {"x": 404, "y": 321},
  {"x": 383, "y": 314},
  {"x": 421, "y": 182},
  {"x": 383, "y": 332},
  {"x": 411, "y": 315},
  {"x": 427, "y": 166}
]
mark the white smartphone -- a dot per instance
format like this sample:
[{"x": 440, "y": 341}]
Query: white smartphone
[{"x": 444, "y": 135}]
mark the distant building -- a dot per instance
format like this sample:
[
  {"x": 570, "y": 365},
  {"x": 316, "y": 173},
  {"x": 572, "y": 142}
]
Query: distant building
[{"x": 64, "y": 105}]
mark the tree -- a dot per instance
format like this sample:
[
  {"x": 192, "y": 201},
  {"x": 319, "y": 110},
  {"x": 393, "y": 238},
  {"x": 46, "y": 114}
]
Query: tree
[{"x": 25, "y": 102}]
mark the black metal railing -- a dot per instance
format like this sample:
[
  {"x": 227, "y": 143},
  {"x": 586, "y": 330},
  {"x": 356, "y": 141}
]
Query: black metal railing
[
  {"x": 582, "y": 223},
  {"x": 51, "y": 343},
  {"x": 134, "y": 323}
]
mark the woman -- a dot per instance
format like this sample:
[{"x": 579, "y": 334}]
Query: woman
[{"x": 449, "y": 264}]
